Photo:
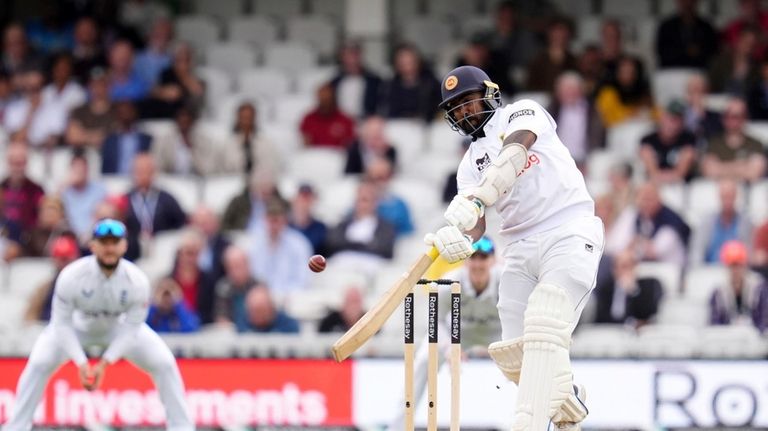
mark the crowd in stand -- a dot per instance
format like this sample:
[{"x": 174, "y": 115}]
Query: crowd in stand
[{"x": 86, "y": 79}]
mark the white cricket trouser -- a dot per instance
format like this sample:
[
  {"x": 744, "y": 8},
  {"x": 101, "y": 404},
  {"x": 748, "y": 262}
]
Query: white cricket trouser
[
  {"x": 149, "y": 353},
  {"x": 566, "y": 256}
]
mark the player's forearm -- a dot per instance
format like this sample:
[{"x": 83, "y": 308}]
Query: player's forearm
[
  {"x": 66, "y": 336},
  {"x": 477, "y": 231},
  {"x": 525, "y": 138}
]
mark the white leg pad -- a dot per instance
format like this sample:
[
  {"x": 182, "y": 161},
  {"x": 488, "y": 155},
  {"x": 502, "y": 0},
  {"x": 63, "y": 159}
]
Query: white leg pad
[
  {"x": 508, "y": 356},
  {"x": 546, "y": 381}
]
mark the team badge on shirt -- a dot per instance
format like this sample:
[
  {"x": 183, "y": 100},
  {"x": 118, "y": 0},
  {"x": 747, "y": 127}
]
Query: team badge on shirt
[
  {"x": 483, "y": 162},
  {"x": 123, "y": 297},
  {"x": 87, "y": 293}
]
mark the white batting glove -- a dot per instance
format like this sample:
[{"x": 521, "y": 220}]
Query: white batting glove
[
  {"x": 453, "y": 245},
  {"x": 463, "y": 213}
]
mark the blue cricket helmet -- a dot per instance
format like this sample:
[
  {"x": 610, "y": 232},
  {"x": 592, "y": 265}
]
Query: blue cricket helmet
[{"x": 458, "y": 83}]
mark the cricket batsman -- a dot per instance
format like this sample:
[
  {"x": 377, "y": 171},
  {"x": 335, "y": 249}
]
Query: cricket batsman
[
  {"x": 553, "y": 241},
  {"x": 100, "y": 300}
]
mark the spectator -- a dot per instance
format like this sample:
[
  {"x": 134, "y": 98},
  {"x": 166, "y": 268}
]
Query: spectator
[
  {"x": 64, "y": 90},
  {"x": 49, "y": 31},
  {"x": 141, "y": 14},
  {"x": 661, "y": 234},
  {"x": 478, "y": 53},
  {"x": 744, "y": 300},
  {"x": 246, "y": 210},
  {"x": 733, "y": 70},
  {"x": 197, "y": 286},
  {"x": 622, "y": 189},
  {"x": 391, "y": 207},
  {"x": 703, "y": 122},
  {"x": 617, "y": 210},
  {"x": 151, "y": 209},
  {"x": 413, "y": 92},
  {"x": 168, "y": 312},
  {"x": 724, "y": 226},
  {"x": 156, "y": 57},
  {"x": 279, "y": 253},
  {"x": 177, "y": 86},
  {"x": 212, "y": 253},
  {"x": 10, "y": 236},
  {"x": 326, "y": 125},
  {"x": 302, "y": 219},
  {"x": 245, "y": 149},
  {"x": 21, "y": 195},
  {"x": 685, "y": 39},
  {"x": 126, "y": 84},
  {"x": 622, "y": 297},
  {"x": 752, "y": 16},
  {"x": 510, "y": 39},
  {"x": 264, "y": 316},
  {"x": 758, "y": 94},
  {"x": 125, "y": 143},
  {"x": 233, "y": 288},
  {"x": 611, "y": 48},
  {"x": 6, "y": 94},
  {"x": 87, "y": 53},
  {"x": 33, "y": 119},
  {"x": 579, "y": 125},
  {"x": 669, "y": 153},
  {"x": 51, "y": 223},
  {"x": 362, "y": 238},
  {"x": 17, "y": 56},
  {"x": 370, "y": 145},
  {"x": 90, "y": 123},
  {"x": 733, "y": 154},
  {"x": 351, "y": 311},
  {"x": 451, "y": 186},
  {"x": 555, "y": 59},
  {"x": 760, "y": 245},
  {"x": 590, "y": 67},
  {"x": 627, "y": 97},
  {"x": 184, "y": 150},
  {"x": 64, "y": 250},
  {"x": 356, "y": 87},
  {"x": 81, "y": 195}
]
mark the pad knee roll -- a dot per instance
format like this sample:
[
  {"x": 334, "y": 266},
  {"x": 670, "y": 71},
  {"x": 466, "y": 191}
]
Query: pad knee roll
[{"x": 508, "y": 356}]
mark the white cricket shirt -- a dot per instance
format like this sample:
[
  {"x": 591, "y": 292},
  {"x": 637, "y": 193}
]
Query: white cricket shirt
[
  {"x": 88, "y": 303},
  {"x": 548, "y": 192}
]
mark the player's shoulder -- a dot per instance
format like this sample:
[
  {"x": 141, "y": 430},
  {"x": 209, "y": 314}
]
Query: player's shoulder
[
  {"x": 79, "y": 267},
  {"x": 133, "y": 273},
  {"x": 523, "y": 107}
]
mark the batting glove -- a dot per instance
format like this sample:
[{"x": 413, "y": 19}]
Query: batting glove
[
  {"x": 464, "y": 213},
  {"x": 453, "y": 245}
]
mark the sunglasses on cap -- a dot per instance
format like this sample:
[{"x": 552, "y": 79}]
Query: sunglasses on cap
[
  {"x": 109, "y": 228},
  {"x": 483, "y": 245}
]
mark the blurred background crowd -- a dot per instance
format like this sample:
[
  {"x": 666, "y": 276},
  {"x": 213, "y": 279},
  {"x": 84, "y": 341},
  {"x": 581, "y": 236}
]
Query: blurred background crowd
[{"x": 236, "y": 138}]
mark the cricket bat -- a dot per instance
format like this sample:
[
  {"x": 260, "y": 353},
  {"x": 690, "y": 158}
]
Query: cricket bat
[{"x": 375, "y": 318}]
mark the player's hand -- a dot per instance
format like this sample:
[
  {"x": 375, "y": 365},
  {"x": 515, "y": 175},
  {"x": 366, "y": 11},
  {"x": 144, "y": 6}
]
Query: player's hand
[
  {"x": 86, "y": 376},
  {"x": 453, "y": 245},
  {"x": 98, "y": 374},
  {"x": 463, "y": 212}
]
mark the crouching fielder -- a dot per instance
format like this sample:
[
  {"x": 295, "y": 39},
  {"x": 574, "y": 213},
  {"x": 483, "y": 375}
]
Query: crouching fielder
[
  {"x": 553, "y": 240},
  {"x": 100, "y": 300}
]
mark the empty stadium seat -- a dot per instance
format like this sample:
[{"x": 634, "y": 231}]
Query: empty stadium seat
[
  {"x": 674, "y": 196},
  {"x": 588, "y": 29},
  {"x": 428, "y": 34},
  {"x": 290, "y": 110},
  {"x": 333, "y": 9},
  {"x": 308, "y": 81},
  {"x": 255, "y": 30},
  {"x": 475, "y": 24},
  {"x": 624, "y": 139},
  {"x": 758, "y": 203},
  {"x": 116, "y": 184},
  {"x": 317, "y": 165},
  {"x": 670, "y": 84},
  {"x": 263, "y": 82},
  {"x": 230, "y": 57},
  {"x": 25, "y": 274},
  {"x": 12, "y": 308},
  {"x": 600, "y": 162},
  {"x": 682, "y": 311},
  {"x": 283, "y": 9},
  {"x": 704, "y": 201},
  {"x": 221, "y": 9},
  {"x": 631, "y": 10},
  {"x": 758, "y": 130},
  {"x": 422, "y": 197},
  {"x": 186, "y": 189},
  {"x": 315, "y": 31},
  {"x": 335, "y": 199},
  {"x": 218, "y": 85},
  {"x": 200, "y": 31},
  {"x": 701, "y": 281},
  {"x": 290, "y": 57},
  {"x": 603, "y": 341},
  {"x": 218, "y": 191},
  {"x": 667, "y": 341},
  {"x": 732, "y": 342},
  {"x": 668, "y": 274},
  {"x": 409, "y": 137},
  {"x": 162, "y": 250}
]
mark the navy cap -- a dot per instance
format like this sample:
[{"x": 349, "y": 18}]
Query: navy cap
[
  {"x": 109, "y": 228},
  {"x": 463, "y": 80}
]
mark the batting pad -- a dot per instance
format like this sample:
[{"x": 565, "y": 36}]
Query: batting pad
[
  {"x": 546, "y": 381},
  {"x": 508, "y": 356}
]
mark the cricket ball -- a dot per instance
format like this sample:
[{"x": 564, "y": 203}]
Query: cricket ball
[{"x": 317, "y": 263}]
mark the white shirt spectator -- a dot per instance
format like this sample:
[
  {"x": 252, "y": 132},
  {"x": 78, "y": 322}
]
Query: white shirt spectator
[
  {"x": 48, "y": 120},
  {"x": 70, "y": 97},
  {"x": 283, "y": 266}
]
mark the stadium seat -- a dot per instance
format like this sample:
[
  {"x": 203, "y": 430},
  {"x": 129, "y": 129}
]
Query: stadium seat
[
  {"x": 291, "y": 109},
  {"x": 667, "y": 341},
  {"x": 475, "y": 24},
  {"x": 674, "y": 195},
  {"x": 116, "y": 184},
  {"x": 758, "y": 130},
  {"x": 335, "y": 199},
  {"x": 588, "y": 29},
  {"x": 287, "y": 141},
  {"x": 409, "y": 138},
  {"x": 333, "y": 9},
  {"x": 199, "y": 31},
  {"x": 186, "y": 189},
  {"x": 263, "y": 82},
  {"x": 682, "y": 311},
  {"x": 428, "y": 34},
  {"x": 308, "y": 81},
  {"x": 36, "y": 166},
  {"x": 215, "y": 342},
  {"x": 599, "y": 164},
  {"x": 540, "y": 97},
  {"x": 162, "y": 250},
  {"x": 12, "y": 308},
  {"x": 218, "y": 85},
  {"x": 669, "y": 7},
  {"x": 703, "y": 200},
  {"x": 25, "y": 274},
  {"x": 624, "y": 138},
  {"x": 218, "y": 191},
  {"x": 282, "y": 9},
  {"x": 290, "y": 57},
  {"x": 221, "y": 9},
  {"x": 717, "y": 102},
  {"x": 315, "y": 31},
  {"x": 701, "y": 281},
  {"x": 157, "y": 129},
  {"x": 422, "y": 198},
  {"x": 732, "y": 342},
  {"x": 758, "y": 203},
  {"x": 603, "y": 341},
  {"x": 182, "y": 345},
  {"x": 572, "y": 7},
  {"x": 630, "y": 10},
  {"x": 670, "y": 84},
  {"x": 230, "y": 57},
  {"x": 255, "y": 30},
  {"x": 452, "y": 9},
  {"x": 317, "y": 165},
  {"x": 668, "y": 274}
]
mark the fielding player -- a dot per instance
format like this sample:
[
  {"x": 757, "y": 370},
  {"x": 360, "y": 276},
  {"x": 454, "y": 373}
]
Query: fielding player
[
  {"x": 553, "y": 240},
  {"x": 100, "y": 300}
]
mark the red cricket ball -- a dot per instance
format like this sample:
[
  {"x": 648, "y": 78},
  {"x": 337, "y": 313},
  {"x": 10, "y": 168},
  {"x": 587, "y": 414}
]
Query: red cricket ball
[{"x": 317, "y": 263}]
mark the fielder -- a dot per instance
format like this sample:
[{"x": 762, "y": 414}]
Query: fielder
[
  {"x": 553, "y": 240},
  {"x": 100, "y": 300}
]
